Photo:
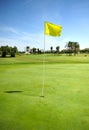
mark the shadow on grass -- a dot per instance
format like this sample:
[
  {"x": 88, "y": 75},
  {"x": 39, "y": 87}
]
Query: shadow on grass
[
  {"x": 24, "y": 93},
  {"x": 12, "y": 91}
]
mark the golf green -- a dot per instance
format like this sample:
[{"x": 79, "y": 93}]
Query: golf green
[{"x": 65, "y": 105}]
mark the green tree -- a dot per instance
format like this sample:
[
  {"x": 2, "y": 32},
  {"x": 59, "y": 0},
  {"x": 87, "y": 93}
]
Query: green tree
[
  {"x": 12, "y": 54},
  {"x": 28, "y": 49},
  {"x": 34, "y": 50},
  {"x": 7, "y": 50},
  {"x": 51, "y": 49},
  {"x": 4, "y": 51},
  {"x": 72, "y": 47},
  {"x": 15, "y": 49},
  {"x": 57, "y": 49},
  {"x": 76, "y": 48}
]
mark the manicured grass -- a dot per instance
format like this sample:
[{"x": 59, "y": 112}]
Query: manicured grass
[
  {"x": 49, "y": 59},
  {"x": 65, "y": 105}
]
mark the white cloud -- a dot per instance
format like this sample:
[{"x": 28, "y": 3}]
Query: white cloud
[
  {"x": 11, "y": 42},
  {"x": 8, "y": 29},
  {"x": 23, "y": 39}
]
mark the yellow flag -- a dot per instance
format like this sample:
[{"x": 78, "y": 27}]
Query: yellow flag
[{"x": 52, "y": 29}]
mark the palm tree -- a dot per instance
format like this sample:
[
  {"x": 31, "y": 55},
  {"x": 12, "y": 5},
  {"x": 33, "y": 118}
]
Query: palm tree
[
  {"x": 27, "y": 49},
  {"x": 34, "y": 50},
  {"x": 51, "y": 48},
  {"x": 57, "y": 49}
]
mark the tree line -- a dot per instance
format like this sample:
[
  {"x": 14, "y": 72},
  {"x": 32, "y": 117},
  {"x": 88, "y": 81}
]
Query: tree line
[
  {"x": 38, "y": 51},
  {"x": 7, "y": 50},
  {"x": 74, "y": 48},
  {"x": 70, "y": 48}
]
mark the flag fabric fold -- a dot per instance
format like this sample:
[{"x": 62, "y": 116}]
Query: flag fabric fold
[{"x": 52, "y": 29}]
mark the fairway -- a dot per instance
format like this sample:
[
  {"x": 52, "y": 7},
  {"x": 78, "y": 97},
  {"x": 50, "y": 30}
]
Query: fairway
[{"x": 65, "y": 105}]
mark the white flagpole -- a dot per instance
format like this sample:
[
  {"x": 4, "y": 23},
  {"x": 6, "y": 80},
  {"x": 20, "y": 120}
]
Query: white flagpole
[{"x": 43, "y": 82}]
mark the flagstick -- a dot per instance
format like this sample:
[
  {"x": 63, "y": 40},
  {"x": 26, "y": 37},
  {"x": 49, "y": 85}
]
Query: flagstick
[{"x": 43, "y": 67}]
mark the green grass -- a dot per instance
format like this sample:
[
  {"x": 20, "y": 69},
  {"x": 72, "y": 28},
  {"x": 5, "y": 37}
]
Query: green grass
[
  {"x": 49, "y": 59},
  {"x": 65, "y": 105}
]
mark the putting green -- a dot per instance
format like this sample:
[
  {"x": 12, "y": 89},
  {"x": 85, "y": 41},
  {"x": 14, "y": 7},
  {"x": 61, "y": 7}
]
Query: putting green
[{"x": 65, "y": 105}]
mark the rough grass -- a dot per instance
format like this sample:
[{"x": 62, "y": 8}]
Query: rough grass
[{"x": 65, "y": 105}]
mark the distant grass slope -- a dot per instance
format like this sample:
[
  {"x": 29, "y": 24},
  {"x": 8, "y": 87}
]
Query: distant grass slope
[
  {"x": 49, "y": 58},
  {"x": 66, "y": 102}
]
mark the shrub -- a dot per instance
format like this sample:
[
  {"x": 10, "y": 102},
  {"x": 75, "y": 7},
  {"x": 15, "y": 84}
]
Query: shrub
[
  {"x": 12, "y": 54},
  {"x": 3, "y": 53}
]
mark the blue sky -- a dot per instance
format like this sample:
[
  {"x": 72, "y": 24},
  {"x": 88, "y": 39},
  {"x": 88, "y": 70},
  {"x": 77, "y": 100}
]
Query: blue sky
[{"x": 22, "y": 22}]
